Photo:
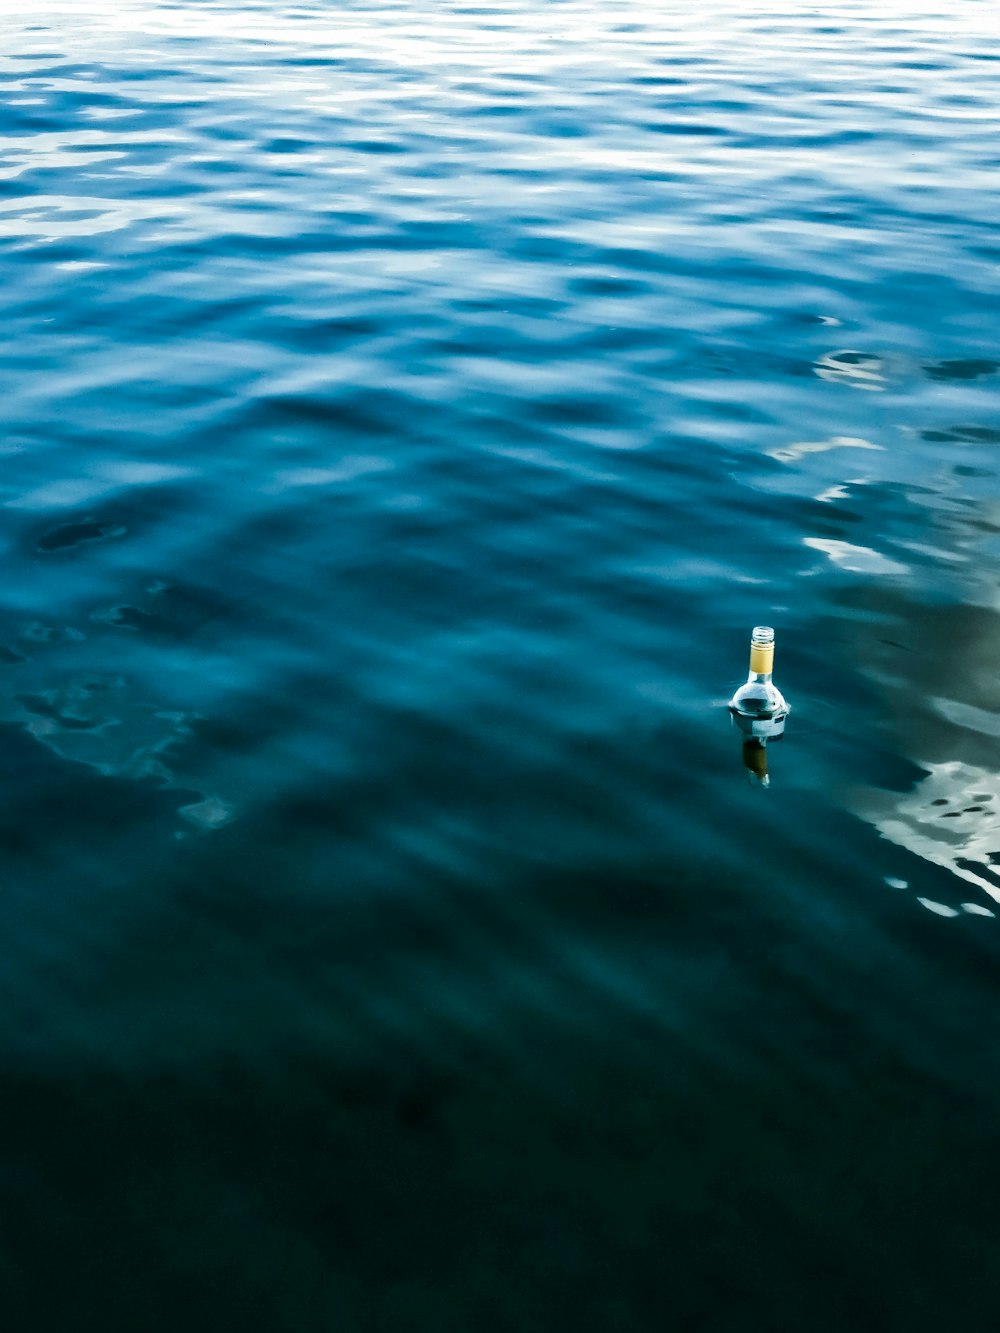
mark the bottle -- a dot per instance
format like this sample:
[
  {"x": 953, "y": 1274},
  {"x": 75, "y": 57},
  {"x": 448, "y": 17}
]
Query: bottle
[{"x": 758, "y": 707}]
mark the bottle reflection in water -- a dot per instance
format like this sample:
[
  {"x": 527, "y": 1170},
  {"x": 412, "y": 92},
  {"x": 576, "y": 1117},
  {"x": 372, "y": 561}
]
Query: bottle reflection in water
[
  {"x": 758, "y": 707},
  {"x": 755, "y": 762}
]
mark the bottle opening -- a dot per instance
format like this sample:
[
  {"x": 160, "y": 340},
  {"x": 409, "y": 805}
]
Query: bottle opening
[{"x": 762, "y": 636}]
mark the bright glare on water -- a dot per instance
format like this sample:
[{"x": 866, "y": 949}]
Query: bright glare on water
[{"x": 408, "y": 411}]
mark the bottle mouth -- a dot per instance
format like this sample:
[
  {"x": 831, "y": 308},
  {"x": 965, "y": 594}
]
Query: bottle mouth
[{"x": 762, "y": 636}]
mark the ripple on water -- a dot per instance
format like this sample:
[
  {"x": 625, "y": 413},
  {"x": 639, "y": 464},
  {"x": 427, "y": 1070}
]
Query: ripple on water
[
  {"x": 408, "y": 411},
  {"x": 68, "y": 536},
  {"x": 856, "y": 370}
]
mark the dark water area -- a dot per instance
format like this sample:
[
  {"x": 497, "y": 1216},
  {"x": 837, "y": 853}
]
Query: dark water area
[{"x": 407, "y": 413}]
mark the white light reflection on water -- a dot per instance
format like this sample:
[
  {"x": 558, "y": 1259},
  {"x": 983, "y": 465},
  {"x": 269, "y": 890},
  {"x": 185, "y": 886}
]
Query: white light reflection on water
[
  {"x": 793, "y": 452},
  {"x": 854, "y": 559},
  {"x": 951, "y": 819}
]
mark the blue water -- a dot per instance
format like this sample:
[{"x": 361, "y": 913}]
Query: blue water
[{"x": 408, "y": 412}]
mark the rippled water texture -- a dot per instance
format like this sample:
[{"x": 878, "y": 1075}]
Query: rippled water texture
[{"x": 408, "y": 411}]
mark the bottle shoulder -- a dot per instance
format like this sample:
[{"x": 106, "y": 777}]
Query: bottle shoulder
[{"x": 758, "y": 699}]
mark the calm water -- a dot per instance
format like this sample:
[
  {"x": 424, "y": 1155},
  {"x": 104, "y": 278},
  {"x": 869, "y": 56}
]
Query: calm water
[{"x": 408, "y": 411}]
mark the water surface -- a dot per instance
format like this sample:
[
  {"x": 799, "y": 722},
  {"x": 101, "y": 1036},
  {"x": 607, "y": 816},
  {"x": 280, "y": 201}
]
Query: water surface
[{"x": 408, "y": 411}]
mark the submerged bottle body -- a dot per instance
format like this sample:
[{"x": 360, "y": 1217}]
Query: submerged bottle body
[{"x": 758, "y": 707}]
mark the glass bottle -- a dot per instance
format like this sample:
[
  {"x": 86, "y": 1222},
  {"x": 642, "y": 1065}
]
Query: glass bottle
[{"x": 758, "y": 707}]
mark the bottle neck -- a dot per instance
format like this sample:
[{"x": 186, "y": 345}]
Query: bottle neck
[
  {"x": 761, "y": 661},
  {"x": 759, "y": 678}
]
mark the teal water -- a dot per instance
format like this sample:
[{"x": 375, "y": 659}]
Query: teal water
[{"x": 407, "y": 413}]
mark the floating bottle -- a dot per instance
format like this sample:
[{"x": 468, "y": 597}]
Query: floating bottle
[{"x": 758, "y": 707}]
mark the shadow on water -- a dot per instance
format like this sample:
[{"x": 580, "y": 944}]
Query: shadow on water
[{"x": 364, "y": 1087}]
